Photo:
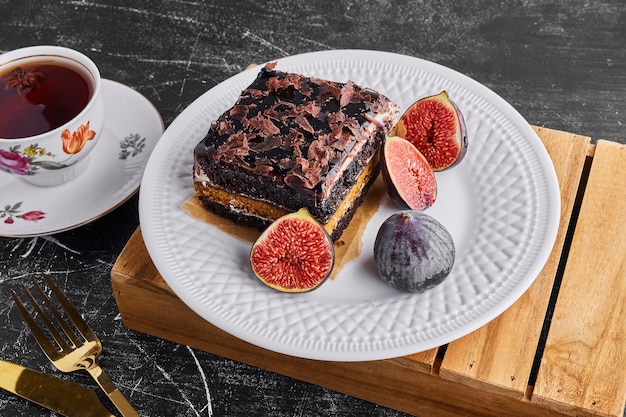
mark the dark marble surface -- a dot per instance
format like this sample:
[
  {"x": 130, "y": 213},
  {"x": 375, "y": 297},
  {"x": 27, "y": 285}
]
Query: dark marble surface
[{"x": 562, "y": 65}]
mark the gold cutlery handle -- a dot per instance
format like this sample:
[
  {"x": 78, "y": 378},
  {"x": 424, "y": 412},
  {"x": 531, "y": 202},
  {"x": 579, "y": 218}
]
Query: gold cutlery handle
[{"x": 116, "y": 397}]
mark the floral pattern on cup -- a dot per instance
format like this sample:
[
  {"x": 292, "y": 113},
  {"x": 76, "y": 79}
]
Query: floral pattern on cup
[
  {"x": 28, "y": 160},
  {"x": 74, "y": 142},
  {"x": 23, "y": 162},
  {"x": 12, "y": 212}
]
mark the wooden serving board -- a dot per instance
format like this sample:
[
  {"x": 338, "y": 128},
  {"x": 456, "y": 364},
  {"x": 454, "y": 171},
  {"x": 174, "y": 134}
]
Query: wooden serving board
[{"x": 560, "y": 350}]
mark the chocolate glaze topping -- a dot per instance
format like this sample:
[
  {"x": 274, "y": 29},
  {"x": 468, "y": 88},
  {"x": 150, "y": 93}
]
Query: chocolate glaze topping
[{"x": 295, "y": 131}]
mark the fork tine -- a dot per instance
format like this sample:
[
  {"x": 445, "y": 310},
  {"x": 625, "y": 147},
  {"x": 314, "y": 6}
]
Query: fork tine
[
  {"x": 71, "y": 312},
  {"x": 46, "y": 320},
  {"x": 40, "y": 337},
  {"x": 60, "y": 321}
]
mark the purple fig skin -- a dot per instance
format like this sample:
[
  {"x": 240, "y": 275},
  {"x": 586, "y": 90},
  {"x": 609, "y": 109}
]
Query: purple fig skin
[
  {"x": 393, "y": 193},
  {"x": 464, "y": 139},
  {"x": 413, "y": 252}
]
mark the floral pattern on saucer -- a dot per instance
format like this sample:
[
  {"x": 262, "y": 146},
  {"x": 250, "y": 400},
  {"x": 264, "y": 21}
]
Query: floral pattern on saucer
[
  {"x": 12, "y": 212},
  {"x": 132, "y": 145}
]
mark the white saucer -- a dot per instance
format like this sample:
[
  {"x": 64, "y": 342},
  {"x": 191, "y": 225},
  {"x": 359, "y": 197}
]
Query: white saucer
[{"x": 112, "y": 176}]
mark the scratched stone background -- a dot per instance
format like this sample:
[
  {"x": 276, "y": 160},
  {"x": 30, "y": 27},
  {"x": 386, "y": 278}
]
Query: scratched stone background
[{"x": 562, "y": 65}]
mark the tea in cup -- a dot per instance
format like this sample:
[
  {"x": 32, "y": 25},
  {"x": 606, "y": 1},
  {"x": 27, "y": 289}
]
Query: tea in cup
[{"x": 51, "y": 113}]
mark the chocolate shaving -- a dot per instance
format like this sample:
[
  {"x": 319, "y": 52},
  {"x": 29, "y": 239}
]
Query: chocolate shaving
[
  {"x": 237, "y": 145},
  {"x": 264, "y": 125},
  {"x": 238, "y": 111},
  {"x": 311, "y": 108},
  {"x": 263, "y": 169},
  {"x": 294, "y": 127},
  {"x": 260, "y": 144},
  {"x": 304, "y": 124}
]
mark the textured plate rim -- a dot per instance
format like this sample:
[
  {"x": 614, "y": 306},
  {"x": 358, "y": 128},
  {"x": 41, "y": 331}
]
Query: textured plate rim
[{"x": 170, "y": 270}]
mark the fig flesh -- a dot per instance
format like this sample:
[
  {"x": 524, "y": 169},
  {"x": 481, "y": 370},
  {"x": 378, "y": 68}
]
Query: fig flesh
[
  {"x": 407, "y": 175},
  {"x": 294, "y": 254},
  {"x": 436, "y": 126},
  {"x": 413, "y": 252}
]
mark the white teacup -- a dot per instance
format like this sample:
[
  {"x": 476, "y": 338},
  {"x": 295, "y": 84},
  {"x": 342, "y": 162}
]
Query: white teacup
[{"x": 51, "y": 113}]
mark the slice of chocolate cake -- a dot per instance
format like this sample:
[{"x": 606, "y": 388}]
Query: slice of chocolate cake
[{"x": 292, "y": 141}]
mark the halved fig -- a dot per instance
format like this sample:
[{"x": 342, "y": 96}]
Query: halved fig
[
  {"x": 294, "y": 254},
  {"x": 413, "y": 251},
  {"x": 436, "y": 126},
  {"x": 407, "y": 175}
]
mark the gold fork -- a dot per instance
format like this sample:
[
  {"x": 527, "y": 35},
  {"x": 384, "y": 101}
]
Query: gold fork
[{"x": 77, "y": 352}]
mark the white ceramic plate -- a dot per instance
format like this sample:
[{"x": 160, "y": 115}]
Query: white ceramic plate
[
  {"x": 501, "y": 205},
  {"x": 132, "y": 129}
]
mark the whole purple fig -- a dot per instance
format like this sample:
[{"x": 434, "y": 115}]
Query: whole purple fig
[{"x": 413, "y": 251}]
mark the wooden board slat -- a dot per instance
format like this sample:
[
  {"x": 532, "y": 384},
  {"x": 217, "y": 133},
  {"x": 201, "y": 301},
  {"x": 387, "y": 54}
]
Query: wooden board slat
[
  {"x": 584, "y": 361},
  {"x": 499, "y": 356}
]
